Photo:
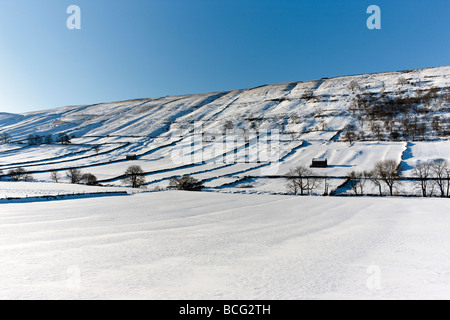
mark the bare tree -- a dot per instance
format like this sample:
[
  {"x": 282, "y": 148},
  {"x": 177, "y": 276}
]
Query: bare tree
[
  {"x": 74, "y": 175},
  {"x": 357, "y": 181},
  {"x": 389, "y": 124},
  {"x": 350, "y": 134},
  {"x": 353, "y": 181},
  {"x": 422, "y": 130},
  {"x": 376, "y": 180},
  {"x": 326, "y": 186},
  {"x": 134, "y": 177},
  {"x": 54, "y": 175},
  {"x": 422, "y": 172},
  {"x": 377, "y": 130},
  {"x": 291, "y": 185},
  {"x": 301, "y": 179},
  {"x": 436, "y": 124},
  {"x": 19, "y": 174},
  {"x": 414, "y": 128},
  {"x": 387, "y": 172},
  {"x": 441, "y": 172}
]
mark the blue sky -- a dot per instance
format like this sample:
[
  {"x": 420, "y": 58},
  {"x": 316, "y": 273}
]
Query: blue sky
[{"x": 152, "y": 48}]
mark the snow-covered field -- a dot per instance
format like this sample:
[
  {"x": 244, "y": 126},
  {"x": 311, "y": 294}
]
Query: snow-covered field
[
  {"x": 42, "y": 189},
  {"x": 180, "y": 245}
]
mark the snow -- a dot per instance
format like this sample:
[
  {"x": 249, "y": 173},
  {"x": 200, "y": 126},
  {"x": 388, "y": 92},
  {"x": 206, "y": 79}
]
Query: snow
[
  {"x": 36, "y": 189},
  {"x": 180, "y": 245},
  {"x": 423, "y": 151}
]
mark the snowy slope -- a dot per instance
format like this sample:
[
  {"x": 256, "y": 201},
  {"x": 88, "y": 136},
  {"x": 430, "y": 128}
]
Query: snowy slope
[{"x": 310, "y": 117}]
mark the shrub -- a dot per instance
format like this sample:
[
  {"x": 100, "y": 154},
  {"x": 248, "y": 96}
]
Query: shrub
[
  {"x": 89, "y": 179},
  {"x": 186, "y": 183}
]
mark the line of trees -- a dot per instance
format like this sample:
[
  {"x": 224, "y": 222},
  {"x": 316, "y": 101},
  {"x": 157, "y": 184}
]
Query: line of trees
[
  {"x": 75, "y": 176},
  {"x": 385, "y": 173},
  {"x": 301, "y": 180},
  {"x": 397, "y": 115},
  {"x": 429, "y": 177},
  {"x": 433, "y": 175},
  {"x": 36, "y": 140}
]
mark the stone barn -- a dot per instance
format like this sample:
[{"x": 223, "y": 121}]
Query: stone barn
[{"x": 319, "y": 163}]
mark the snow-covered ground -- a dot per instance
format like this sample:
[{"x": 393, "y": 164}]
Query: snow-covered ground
[
  {"x": 180, "y": 245},
  {"x": 42, "y": 189}
]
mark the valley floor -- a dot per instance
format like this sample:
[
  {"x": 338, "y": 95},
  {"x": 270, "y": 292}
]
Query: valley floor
[{"x": 181, "y": 245}]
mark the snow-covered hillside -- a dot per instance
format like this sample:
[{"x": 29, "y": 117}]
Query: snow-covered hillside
[
  {"x": 181, "y": 245},
  {"x": 179, "y": 135}
]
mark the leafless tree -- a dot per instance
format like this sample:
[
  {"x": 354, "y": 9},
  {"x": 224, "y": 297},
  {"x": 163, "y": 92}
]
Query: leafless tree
[
  {"x": 422, "y": 130},
  {"x": 54, "y": 175},
  {"x": 436, "y": 124},
  {"x": 357, "y": 181},
  {"x": 376, "y": 180},
  {"x": 326, "y": 186},
  {"x": 441, "y": 172},
  {"x": 350, "y": 134},
  {"x": 19, "y": 174},
  {"x": 353, "y": 181},
  {"x": 377, "y": 130},
  {"x": 387, "y": 172},
  {"x": 74, "y": 175},
  {"x": 301, "y": 179},
  {"x": 422, "y": 172}
]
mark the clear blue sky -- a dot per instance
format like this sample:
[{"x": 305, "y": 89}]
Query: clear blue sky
[{"x": 151, "y": 48}]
